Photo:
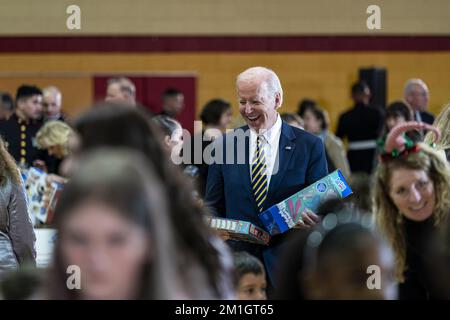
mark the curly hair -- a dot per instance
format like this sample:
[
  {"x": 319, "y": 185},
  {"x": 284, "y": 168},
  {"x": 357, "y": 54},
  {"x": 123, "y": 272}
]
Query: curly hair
[
  {"x": 384, "y": 209},
  {"x": 8, "y": 167}
]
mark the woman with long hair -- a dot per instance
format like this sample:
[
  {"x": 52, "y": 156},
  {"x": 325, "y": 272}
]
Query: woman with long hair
[
  {"x": 17, "y": 236},
  {"x": 411, "y": 203}
]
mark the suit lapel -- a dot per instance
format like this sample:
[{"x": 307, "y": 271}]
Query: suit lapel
[
  {"x": 244, "y": 169},
  {"x": 285, "y": 152}
]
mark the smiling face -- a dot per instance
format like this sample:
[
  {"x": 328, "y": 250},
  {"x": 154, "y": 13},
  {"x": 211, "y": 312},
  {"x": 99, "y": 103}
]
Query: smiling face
[
  {"x": 412, "y": 192},
  {"x": 256, "y": 105}
]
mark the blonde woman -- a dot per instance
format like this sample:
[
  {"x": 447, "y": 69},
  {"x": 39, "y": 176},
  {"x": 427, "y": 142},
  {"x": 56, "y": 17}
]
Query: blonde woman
[
  {"x": 17, "y": 236},
  {"x": 442, "y": 122},
  {"x": 411, "y": 203},
  {"x": 54, "y": 137}
]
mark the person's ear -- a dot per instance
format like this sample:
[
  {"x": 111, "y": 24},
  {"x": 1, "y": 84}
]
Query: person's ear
[
  {"x": 277, "y": 100},
  {"x": 408, "y": 101},
  {"x": 20, "y": 103},
  {"x": 167, "y": 141}
]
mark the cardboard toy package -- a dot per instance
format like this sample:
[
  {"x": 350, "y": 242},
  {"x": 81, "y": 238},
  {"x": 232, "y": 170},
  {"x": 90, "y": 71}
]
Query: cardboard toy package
[
  {"x": 45, "y": 242},
  {"x": 239, "y": 230},
  {"x": 286, "y": 214},
  {"x": 41, "y": 197}
]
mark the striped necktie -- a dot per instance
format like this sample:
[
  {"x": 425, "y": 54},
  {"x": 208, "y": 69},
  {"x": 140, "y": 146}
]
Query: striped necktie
[{"x": 259, "y": 175}]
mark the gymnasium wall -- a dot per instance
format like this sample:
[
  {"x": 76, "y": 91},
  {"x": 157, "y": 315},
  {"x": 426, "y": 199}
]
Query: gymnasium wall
[
  {"x": 224, "y": 17},
  {"x": 319, "y": 75},
  {"x": 316, "y": 47}
]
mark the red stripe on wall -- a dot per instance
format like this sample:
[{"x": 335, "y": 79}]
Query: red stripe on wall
[{"x": 223, "y": 43}]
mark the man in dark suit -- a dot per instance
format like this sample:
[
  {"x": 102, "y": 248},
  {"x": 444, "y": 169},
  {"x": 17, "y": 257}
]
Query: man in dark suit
[
  {"x": 262, "y": 163},
  {"x": 416, "y": 94}
]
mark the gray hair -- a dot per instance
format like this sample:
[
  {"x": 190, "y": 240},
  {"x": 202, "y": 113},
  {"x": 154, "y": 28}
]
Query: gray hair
[
  {"x": 52, "y": 90},
  {"x": 410, "y": 85},
  {"x": 269, "y": 77}
]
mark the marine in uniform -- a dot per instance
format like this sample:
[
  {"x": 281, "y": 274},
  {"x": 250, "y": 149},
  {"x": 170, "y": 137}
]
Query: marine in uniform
[
  {"x": 19, "y": 131},
  {"x": 361, "y": 126}
]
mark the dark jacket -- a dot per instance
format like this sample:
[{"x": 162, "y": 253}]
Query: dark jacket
[{"x": 229, "y": 193}]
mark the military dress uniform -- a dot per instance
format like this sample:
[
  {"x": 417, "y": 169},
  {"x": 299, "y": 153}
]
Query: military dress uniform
[
  {"x": 361, "y": 126},
  {"x": 20, "y": 139}
]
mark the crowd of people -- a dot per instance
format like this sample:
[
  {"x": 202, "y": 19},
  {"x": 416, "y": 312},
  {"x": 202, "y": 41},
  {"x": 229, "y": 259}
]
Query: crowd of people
[{"x": 135, "y": 223}]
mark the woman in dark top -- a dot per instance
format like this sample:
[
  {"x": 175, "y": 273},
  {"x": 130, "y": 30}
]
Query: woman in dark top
[
  {"x": 417, "y": 236},
  {"x": 411, "y": 202}
]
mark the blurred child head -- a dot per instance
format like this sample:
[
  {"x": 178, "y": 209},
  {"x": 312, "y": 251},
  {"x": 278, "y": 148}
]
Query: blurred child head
[
  {"x": 342, "y": 260},
  {"x": 250, "y": 277},
  {"x": 331, "y": 261}
]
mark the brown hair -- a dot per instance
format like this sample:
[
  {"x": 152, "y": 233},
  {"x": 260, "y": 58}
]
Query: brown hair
[{"x": 8, "y": 167}]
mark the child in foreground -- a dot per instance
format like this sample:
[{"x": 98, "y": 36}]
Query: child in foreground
[{"x": 250, "y": 277}]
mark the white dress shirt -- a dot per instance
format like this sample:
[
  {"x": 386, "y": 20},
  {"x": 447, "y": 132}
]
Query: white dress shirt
[{"x": 270, "y": 142}]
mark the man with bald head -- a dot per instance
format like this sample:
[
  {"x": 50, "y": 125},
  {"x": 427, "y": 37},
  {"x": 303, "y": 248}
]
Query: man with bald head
[
  {"x": 262, "y": 163},
  {"x": 52, "y": 103},
  {"x": 416, "y": 95}
]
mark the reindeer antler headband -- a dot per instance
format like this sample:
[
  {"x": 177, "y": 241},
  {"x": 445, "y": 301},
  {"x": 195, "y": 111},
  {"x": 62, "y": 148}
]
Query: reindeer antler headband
[{"x": 397, "y": 144}]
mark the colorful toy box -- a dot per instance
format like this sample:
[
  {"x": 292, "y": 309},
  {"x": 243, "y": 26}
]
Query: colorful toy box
[
  {"x": 286, "y": 214},
  {"x": 239, "y": 230}
]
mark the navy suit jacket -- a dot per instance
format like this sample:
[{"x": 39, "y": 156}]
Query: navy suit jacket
[
  {"x": 427, "y": 117},
  {"x": 301, "y": 161}
]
